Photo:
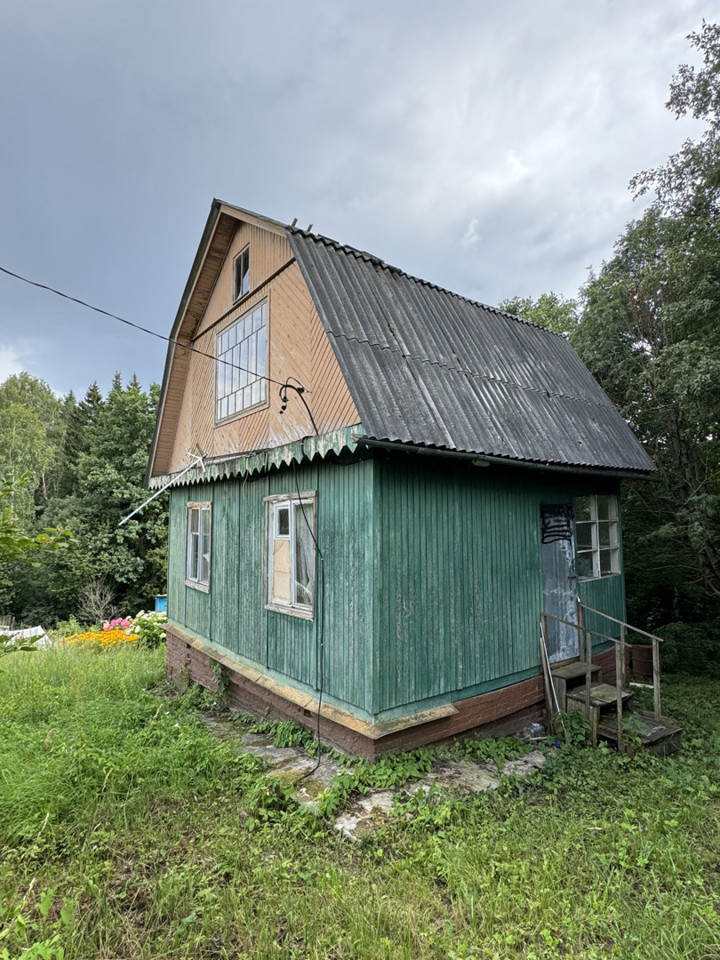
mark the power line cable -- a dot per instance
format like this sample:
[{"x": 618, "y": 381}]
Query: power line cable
[{"x": 137, "y": 326}]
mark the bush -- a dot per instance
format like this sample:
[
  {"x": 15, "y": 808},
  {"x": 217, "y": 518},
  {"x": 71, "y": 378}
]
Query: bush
[
  {"x": 149, "y": 626},
  {"x": 691, "y": 648}
]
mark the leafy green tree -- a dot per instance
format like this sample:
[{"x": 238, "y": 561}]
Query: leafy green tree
[
  {"x": 688, "y": 183},
  {"x": 31, "y": 433},
  {"x": 101, "y": 465},
  {"x": 550, "y": 310},
  {"x": 17, "y": 548},
  {"x": 650, "y": 331},
  {"x": 130, "y": 558}
]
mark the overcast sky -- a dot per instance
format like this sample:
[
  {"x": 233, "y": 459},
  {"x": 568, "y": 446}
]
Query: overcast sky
[{"x": 486, "y": 147}]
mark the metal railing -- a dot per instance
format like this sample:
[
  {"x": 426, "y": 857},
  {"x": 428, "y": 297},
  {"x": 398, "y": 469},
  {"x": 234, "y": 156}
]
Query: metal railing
[{"x": 585, "y": 635}]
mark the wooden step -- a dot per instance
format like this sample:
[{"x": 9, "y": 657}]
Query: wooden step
[
  {"x": 574, "y": 669},
  {"x": 602, "y": 695},
  {"x": 661, "y": 737},
  {"x": 566, "y": 676},
  {"x": 603, "y": 699}
]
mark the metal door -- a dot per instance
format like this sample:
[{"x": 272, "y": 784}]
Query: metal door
[{"x": 559, "y": 579}]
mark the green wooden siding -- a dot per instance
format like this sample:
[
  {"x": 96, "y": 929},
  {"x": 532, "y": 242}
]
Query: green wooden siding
[
  {"x": 459, "y": 578},
  {"x": 233, "y": 614},
  {"x": 433, "y": 583}
]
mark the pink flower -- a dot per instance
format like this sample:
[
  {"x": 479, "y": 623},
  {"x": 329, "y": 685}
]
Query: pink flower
[{"x": 119, "y": 623}]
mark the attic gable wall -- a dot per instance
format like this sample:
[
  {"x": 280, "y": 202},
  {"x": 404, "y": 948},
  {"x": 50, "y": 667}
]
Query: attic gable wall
[{"x": 297, "y": 347}]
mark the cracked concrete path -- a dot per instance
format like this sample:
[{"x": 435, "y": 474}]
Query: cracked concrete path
[{"x": 367, "y": 812}]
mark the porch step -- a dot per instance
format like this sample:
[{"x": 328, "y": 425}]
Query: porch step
[
  {"x": 603, "y": 700},
  {"x": 567, "y": 676},
  {"x": 602, "y": 696},
  {"x": 573, "y": 669},
  {"x": 661, "y": 737}
]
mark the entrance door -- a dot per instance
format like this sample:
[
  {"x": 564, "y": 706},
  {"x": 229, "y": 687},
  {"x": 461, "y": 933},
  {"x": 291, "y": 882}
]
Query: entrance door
[{"x": 559, "y": 580}]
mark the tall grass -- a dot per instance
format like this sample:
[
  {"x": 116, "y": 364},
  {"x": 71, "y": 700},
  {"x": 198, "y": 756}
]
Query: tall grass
[{"x": 128, "y": 830}]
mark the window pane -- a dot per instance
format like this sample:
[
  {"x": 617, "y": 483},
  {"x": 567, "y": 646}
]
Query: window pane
[
  {"x": 194, "y": 519},
  {"x": 281, "y": 571},
  {"x": 603, "y": 508},
  {"x": 606, "y": 562},
  {"x": 584, "y": 536},
  {"x": 236, "y": 368},
  {"x": 243, "y": 364},
  {"x": 304, "y": 553},
  {"x": 245, "y": 285},
  {"x": 582, "y": 509},
  {"x": 584, "y": 565},
  {"x": 255, "y": 392},
  {"x": 251, "y": 358},
  {"x": 282, "y": 515},
  {"x": 604, "y": 533},
  {"x": 261, "y": 352}
]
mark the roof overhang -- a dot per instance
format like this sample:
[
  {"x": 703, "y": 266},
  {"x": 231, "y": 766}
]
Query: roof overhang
[{"x": 483, "y": 460}]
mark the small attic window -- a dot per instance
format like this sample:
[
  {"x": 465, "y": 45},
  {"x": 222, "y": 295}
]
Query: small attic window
[{"x": 242, "y": 274}]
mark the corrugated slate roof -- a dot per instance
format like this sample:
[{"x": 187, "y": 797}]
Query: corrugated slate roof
[{"x": 431, "y": 368}]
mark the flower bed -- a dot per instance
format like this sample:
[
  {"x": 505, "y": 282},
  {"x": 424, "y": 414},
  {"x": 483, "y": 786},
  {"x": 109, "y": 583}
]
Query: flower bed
[{"x": 103, "y": 638}]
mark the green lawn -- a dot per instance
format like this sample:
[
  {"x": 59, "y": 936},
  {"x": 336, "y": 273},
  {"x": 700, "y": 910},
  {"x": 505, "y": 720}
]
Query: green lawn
[{"x": 128, "y": 830}]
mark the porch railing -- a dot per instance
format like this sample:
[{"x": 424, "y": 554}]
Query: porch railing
[{"x": 585, "y": 635}]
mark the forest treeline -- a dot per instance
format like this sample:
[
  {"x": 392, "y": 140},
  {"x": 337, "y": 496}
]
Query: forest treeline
[{"x": 84, "y": 463}]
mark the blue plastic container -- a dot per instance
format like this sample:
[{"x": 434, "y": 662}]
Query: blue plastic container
[{"x": 161, "y": 603}]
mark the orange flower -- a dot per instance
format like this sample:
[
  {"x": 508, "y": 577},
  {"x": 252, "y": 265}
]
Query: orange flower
[{"x": 103, "y": 638}]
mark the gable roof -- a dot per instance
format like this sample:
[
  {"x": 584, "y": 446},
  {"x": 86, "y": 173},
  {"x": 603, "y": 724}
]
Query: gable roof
[
  {"x": 424, "y": 366},
  {"x": 428, "y": 367}
]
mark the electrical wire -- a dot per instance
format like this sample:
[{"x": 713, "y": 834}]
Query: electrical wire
[
  {"x": 321, "y": 618},
  {"x": 137, "y": 326}
]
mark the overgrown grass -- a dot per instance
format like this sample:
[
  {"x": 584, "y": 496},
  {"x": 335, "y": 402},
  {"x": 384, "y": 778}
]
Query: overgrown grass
[{"x": 128, "y": 830}]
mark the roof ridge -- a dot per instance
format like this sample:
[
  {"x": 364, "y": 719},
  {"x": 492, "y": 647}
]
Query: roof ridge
[{"x": 372, "y": 258}]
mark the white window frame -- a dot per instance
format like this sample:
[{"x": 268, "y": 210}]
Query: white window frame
[
  {"x": 195, "y": 556},
  {"x": 274, "y": 504},
  {"x": 603, "y": 544},
  {"x": 241, "y": 365}
]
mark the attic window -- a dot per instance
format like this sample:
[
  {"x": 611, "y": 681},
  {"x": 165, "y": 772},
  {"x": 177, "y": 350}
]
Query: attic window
[
  {"x": 597, "y": 536},
  {"x": 241, "y": 365},
  {"x": 242, "y": 274}
]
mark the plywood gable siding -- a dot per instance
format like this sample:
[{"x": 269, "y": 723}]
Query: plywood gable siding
[{"x": 298, "y": 347}]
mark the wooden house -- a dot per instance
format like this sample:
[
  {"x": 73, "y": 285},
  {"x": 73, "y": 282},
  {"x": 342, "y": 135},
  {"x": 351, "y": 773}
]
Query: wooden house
[{"x": 395, "y": 482}]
